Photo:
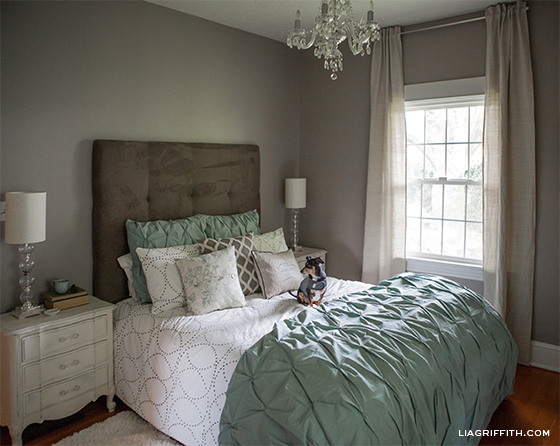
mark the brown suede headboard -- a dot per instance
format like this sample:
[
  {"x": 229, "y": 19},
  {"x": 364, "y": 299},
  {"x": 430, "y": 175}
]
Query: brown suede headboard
[{"x": 147, "y": 181}]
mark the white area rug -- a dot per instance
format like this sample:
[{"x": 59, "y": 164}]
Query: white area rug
[{"x": 124, "y": 429}]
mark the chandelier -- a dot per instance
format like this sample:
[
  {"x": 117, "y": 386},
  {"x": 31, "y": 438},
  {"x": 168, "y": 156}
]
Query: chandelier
[{"x": 334, "y": 25}]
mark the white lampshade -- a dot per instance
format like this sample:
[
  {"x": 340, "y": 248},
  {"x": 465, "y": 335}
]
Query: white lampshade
[
  {"x": 26, "y": 215},
  {"x": 295, "y": 193}
]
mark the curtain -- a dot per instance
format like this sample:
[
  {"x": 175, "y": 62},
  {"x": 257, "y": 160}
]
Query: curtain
[
  {"x": 385, "y": 220},
  {"x": 509, "y": 172}
]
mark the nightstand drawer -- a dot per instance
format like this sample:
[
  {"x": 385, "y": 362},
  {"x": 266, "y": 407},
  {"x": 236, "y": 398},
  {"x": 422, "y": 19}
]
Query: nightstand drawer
[
  {"x": 59, "y": 393},
  {"x": 62, "y": 399},
  {"x": 58, "y": 340},
  {"x": 63, "y": 366}
]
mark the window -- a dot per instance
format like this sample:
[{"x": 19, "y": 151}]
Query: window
[{"x": 444, "y": 179}]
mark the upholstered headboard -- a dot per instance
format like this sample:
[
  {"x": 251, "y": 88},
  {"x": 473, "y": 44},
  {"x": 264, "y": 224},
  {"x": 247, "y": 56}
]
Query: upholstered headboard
[{"x": 147, "y": 181}]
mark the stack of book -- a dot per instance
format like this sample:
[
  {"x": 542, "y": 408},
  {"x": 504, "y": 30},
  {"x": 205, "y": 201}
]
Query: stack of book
[{"x": 72, "y": 298}]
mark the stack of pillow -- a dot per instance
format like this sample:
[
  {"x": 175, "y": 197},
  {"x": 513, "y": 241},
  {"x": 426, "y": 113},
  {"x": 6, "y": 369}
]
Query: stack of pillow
[{"x": 206, "y": 263}]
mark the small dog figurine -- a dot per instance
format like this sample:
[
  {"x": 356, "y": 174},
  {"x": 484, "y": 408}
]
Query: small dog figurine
[{"x": 313, "y": 287}]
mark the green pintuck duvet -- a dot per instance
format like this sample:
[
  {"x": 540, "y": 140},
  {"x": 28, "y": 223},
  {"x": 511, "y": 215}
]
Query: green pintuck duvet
[{"x": 417, "y": 360}]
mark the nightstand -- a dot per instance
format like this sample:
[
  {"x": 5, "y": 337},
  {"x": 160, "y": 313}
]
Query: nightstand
[
  {"x": 52, "y": 366},
  {"x": 314, "y": 252}
]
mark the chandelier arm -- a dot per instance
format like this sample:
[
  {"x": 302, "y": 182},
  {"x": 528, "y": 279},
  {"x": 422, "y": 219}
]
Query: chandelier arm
[
  {"x": 297, "y": 38},
  {"x": 311, "y": 41},
  {"x": 357, "y": 39}
]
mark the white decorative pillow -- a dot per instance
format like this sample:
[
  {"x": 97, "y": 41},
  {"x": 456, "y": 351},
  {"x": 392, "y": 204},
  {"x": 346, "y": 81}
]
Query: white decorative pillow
[
  {"x": 245, "y": 267},
  {"x": 273, "y": 241},
  {"x": 211, "y": 282},
  {"x": 125, "y": 261},
  {"x": 162, "y": 277},
  {"x": 277, "y": 273}
]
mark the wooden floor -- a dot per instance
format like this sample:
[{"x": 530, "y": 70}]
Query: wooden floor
[
  {"x": 535, "y": 405},
  {"x": 50, "y": 432}
]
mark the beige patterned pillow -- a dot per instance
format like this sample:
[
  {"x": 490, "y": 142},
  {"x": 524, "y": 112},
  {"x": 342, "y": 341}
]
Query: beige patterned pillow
[
  {"x": 277, "y": 273},
  {"x": 245, "y": 266},
  {"x": 125, "y": 262},
  {"x": 211, "y": 282},
  {"x": 273, "y": 241},
  {"x": 162, "y": 277}
]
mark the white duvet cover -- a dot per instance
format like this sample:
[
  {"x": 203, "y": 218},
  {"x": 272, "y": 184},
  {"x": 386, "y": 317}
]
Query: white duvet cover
[{"x": 173, "y": 369}]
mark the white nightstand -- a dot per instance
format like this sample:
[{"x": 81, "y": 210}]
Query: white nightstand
[
  {"x": 52, "y": 366},
  {"x": 314, "y": 252}
]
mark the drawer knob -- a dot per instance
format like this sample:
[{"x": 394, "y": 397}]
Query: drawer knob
[
  {"x": 70, "y": 364},
  {"x": 74, "y": 336},
  {"x": 66, "y": 392}
]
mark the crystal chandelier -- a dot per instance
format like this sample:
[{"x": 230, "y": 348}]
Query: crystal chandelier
[{"x": 334, "y": 25}]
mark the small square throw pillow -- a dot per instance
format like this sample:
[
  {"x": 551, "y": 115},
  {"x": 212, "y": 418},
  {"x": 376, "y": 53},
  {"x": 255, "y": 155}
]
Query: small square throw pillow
[
  {"x": 211, "y": 282},
  {"x": 245, "y": 267},
  {"x": 277, "y": 273},
  {"x": 162, "y": 278},
  {"x": 273, "y": 241}
]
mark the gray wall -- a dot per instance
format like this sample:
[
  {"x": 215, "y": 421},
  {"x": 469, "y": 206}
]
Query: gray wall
[
  {"x": 334, "y": 138},
  {"x": 545, "y": 52},
  {"x": 334, "y": 144},
  {"x": 73, "y": 72},
  {"x": 76, "y": 71}
]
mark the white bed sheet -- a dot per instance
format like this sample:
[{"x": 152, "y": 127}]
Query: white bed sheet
[{"x": 173, "y": 369}]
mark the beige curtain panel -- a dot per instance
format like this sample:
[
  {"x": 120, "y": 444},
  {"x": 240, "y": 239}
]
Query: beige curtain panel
[
  {"x": 509, "y": 172},
  {"x": 385, "y": 221}
]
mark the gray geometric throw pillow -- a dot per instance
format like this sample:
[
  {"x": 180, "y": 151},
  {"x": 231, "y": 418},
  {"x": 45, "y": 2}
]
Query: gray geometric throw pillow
[{"x": 245, "y": 266}]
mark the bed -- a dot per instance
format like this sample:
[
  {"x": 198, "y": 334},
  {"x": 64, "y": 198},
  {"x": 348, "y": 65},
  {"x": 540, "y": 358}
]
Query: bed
[{"x": 414, "y": 360}]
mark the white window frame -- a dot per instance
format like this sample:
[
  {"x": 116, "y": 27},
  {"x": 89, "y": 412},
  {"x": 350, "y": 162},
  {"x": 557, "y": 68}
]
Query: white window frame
[{"x": 458, "y": 93}]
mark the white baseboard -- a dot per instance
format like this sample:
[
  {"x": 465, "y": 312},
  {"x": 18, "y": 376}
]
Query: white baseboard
[{"x": 545, "y": 356}]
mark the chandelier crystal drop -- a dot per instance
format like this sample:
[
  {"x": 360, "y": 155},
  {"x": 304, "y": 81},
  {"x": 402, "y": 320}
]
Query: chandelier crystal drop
[{"x": 334, "y": 25}]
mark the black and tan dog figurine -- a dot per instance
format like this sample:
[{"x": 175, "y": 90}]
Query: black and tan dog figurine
[{"x": 313, "y": 287}]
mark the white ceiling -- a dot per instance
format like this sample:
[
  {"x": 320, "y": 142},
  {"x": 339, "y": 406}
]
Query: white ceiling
[{"x": 273, "y": 18}]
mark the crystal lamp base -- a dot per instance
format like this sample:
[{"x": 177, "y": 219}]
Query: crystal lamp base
[
  {"x": 27, "y": 308},
  {"x": 22, "y": 313}
]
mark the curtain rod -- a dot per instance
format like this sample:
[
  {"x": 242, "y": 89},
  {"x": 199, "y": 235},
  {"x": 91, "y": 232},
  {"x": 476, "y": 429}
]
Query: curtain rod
[{"x": 460, "y": 22}]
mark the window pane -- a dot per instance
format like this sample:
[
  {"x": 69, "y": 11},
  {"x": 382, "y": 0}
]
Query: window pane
[
  {"x": 457, "y": 161},
  {"x": 454, "y": 202},
  {"x": 415, "y": 161},
  {"x": 413, "y": 235},
  {"x": 474, "y": 241},
  {"x": 435, "y": 161},
  {"x": 432, "y": 200},
  {"x": 413, "y": 200},
  {"x": 475, "y": 171},
  {"x": 477, "y": 121},
  {"x": 431, "y": 237},
  {"x": 435, "y": 126},
  {"x": 453, "y": 238},
  {"x": 474, "y": 203},
  {"x": 415, "y": 127},
  {"x": 458, "y": 124}
]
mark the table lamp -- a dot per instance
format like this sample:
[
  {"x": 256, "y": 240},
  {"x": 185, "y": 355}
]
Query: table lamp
[
  {"x": 25, "y": 225},
  {"x": 295, "y": 200}
]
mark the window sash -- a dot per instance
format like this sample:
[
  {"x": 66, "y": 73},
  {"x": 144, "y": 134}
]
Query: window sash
[
  {"x": 475, "y": 100},
  {"x": 444, "y": 103}
]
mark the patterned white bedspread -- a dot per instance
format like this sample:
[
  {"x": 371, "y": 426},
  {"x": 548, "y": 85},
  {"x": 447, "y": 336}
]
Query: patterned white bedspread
[{"x": 174, "y": 369}]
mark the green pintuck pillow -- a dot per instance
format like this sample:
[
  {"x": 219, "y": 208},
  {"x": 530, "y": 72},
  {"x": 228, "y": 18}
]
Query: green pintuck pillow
[
  {"x": 220, "y": 226},
  {"x": 185, "y": 231}
]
